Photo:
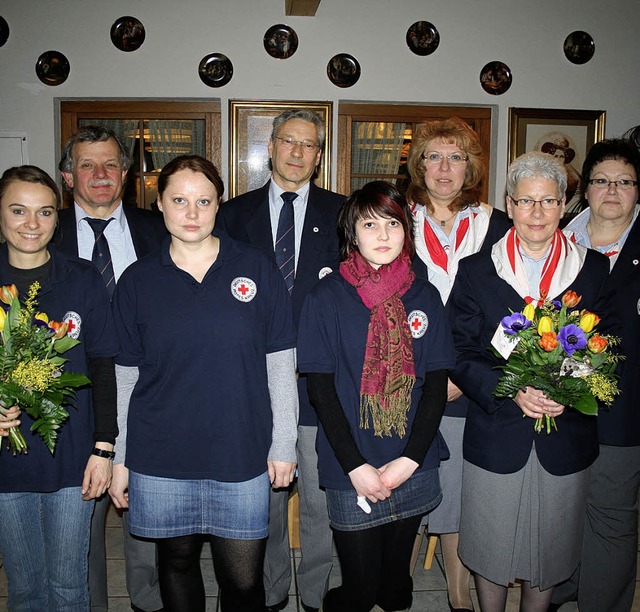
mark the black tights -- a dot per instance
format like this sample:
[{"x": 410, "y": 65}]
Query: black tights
[
  {"x": 237, "y": 564},
  {"x": 375, "y": 568}
]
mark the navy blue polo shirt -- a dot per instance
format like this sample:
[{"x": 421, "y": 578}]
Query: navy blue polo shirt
[
  {"x": 74, "y": 292},
  {"x": 201, "y": 406},
  {"x": 331, "y": 339}
]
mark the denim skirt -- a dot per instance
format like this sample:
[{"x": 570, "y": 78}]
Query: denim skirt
[
  {"x": 170, "y": 507},
  {"x": 417, "y": 496}
]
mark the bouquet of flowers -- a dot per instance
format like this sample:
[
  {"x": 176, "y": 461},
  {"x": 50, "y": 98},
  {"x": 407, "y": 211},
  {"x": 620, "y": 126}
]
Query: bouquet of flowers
[
  {"x": 556, "y": 348},
  {"x": 31, "y": 368}
]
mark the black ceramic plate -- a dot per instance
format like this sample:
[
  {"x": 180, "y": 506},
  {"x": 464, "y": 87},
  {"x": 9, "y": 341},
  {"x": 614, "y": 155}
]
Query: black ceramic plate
[
  {"x": 343, "y": 70},
  {"x": 52, "y": 68},
  {"x": 579, "y": 47},
  {"x": 495, "y": 78},
  {"x": 280, "y": 41},
  {"x": 4, "y": 31},
  {"x": 215, "y": 70},
  {"x": 423, "y": 38},
  {"x": 127, "y": 33}
]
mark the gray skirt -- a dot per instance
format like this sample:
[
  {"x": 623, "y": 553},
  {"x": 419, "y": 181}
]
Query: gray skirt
[{"x": 527, "y": 525}]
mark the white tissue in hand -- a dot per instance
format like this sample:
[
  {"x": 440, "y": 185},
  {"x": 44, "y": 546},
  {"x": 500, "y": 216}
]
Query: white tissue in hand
[{"x": 364, "y": 504}]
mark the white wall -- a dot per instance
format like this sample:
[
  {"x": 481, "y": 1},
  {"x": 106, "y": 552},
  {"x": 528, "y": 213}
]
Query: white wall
[{"x": 526, "y": 35}]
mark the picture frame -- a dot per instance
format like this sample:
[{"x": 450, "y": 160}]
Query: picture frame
[
  {"x": 566, "y": 134},
  {"x": 250, "y": 125}
]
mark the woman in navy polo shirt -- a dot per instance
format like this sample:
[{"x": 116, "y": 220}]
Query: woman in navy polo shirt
[
  {"x": 376, "y": 345},
  {"x": 207, "y": 377},
  {"x": 46, "y": 500}
]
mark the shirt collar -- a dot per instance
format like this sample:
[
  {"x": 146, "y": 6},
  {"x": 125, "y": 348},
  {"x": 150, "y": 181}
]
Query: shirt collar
[
  {"x": 275, "y": 191},
  {"x": 117, "y": 214}
]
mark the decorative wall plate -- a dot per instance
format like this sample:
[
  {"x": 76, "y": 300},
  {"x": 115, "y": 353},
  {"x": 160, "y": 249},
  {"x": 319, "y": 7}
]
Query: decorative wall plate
[
  {"x": 52, "y": 68},
  {"x": 280, "y": 41},
  {"x": 215, "y": 70},
  {"x": 343, "y": 70},
  {"x": 423, "y": 38},
  {"x": 127, "y": 34},
  {"x": 579, "y": 47},
  {"x": 4, "y": 31},
  {"x": 495, "y": 78}
]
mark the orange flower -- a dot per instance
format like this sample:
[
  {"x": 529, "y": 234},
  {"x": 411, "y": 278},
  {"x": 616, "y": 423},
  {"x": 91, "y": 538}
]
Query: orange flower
[
  {"x": 597, "y": 343},
  {"x": 61, "y": 329},
  {"x": 588, "y": 320},
  {"x": 548, "y": 341},
  {"x": 571, "y": 299},
  {"x": 8, "y": 293}
]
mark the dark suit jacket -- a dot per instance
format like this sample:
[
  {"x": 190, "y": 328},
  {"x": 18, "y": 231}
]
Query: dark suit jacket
[
  {"x": 147, "y": 230},
  {"x": 497, "y": 437},
  {"x": 247, "y": 219},
  {"x": 620, "y": 425}
]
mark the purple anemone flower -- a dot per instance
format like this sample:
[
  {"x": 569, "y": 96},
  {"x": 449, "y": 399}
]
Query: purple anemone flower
[
  {"x": 557, "y": 304},
  {"x": 572, "y": 338},
  {"x": 514, "y": 323}
]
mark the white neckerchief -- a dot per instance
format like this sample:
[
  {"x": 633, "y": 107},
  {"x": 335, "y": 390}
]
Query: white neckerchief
[
  {"x": 478, "y": 225},
  {"x": 569, "y": 264}
]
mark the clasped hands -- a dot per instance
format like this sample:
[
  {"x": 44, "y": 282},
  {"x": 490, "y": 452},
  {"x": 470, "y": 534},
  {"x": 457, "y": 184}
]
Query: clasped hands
[{"x": 376, "y": 484}]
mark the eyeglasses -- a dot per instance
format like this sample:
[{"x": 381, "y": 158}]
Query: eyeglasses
[
  {"x": 455, "y": 159},
  {"x": 306, "y": 145},
  {"x": 602, "y": 183},
  {"x": 528, "y": 203}
]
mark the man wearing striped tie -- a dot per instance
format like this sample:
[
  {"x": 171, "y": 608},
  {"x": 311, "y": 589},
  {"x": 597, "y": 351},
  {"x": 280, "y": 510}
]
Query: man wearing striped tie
[
  {"x": 98, "y": 227},
  {"x": 295, "y": 222}
]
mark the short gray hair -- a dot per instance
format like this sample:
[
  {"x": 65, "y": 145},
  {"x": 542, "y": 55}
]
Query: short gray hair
[
  {"x": 536, "y": 165},
  {"x": 305, "y": 115},
  {"x": 92, "y": 133}
]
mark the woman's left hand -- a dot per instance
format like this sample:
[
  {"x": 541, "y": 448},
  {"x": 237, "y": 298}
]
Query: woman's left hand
[
  {"x": 97, "y": 474},
  {"x": 281, "y": 473},
  {"x": 397, "y": 472},
  {"x": 535, "y": 404}
]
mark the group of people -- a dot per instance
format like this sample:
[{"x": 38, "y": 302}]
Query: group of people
[{"x": 290, "y": 336}]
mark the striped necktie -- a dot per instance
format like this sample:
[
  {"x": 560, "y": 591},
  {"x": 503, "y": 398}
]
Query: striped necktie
[
  {"x": 101, "y": 256},
  {"x": 285, "y": 247}
]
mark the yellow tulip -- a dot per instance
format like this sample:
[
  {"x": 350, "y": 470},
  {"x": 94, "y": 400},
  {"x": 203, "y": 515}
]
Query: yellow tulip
[
  {"x": 588, "y": 321},
  {"x": 41, "y": 316},
  {"x": 545, "y": 325},
  {"x": 3, "y": 317},
  {"x": 529, "y": 311}
]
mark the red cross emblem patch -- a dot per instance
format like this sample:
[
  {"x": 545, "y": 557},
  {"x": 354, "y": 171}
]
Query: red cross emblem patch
[
  {"x": 418, "y": 323},
  {"x": 243, "y": 289},
  {"x": 74, "y": 322}
]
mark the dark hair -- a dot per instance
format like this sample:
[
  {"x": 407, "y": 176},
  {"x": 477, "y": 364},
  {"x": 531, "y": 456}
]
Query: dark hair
[
  {"x": 195, "y": 163},
  {"x": 634, "y": 136},
  {"x": 375, "y": 199},
  {"x": 452, "y": 131},
  {"x": 28, "y": 174},
  {"x": 92, "y": 133},
  {"x": 299, "y": 113},
  {"x": 619, "y": 149}
]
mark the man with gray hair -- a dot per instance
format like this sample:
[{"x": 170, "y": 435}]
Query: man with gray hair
[
  {"x": 295, "y": 222},
  {"x": 99, "y": 228}
]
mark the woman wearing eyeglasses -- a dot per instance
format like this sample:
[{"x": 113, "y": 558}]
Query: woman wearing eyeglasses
[
  {"x": 523, "y": 493},
  {"x": 446, "y": 168},
  {"x": 610, "y": 225}
]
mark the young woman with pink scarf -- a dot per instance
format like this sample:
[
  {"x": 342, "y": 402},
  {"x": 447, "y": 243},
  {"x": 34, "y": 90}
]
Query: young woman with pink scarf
[{"x": 375, "y": 343}]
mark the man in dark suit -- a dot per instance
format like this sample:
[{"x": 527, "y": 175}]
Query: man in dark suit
[
  {"x": 94, "y": 165},
  {"x": 257, "y": 217}
]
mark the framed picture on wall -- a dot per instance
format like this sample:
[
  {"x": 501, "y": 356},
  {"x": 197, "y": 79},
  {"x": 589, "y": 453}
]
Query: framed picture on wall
[
  {"x": 250, "y": 124},
  {"x": 565, "y": 134}
]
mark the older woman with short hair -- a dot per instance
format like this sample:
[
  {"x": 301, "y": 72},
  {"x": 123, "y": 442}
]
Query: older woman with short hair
[{"x": 524, "y": 494}]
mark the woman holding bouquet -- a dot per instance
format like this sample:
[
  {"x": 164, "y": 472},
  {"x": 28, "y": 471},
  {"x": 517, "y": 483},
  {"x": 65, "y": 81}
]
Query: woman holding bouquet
[
  {"x": 610, "y": 225},
  {"x": 375, "y": 343},
  {"x": 451, "y": 223},
  {"x": 206, "y": 375},
  {"x": 524, "y": 493},
  {"x": 46, "y": 499}
]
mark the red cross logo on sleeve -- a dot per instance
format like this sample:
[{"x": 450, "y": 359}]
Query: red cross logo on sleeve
[
  {"x": 418, "y": 323},
  {"x": 243, "y": 289}
]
